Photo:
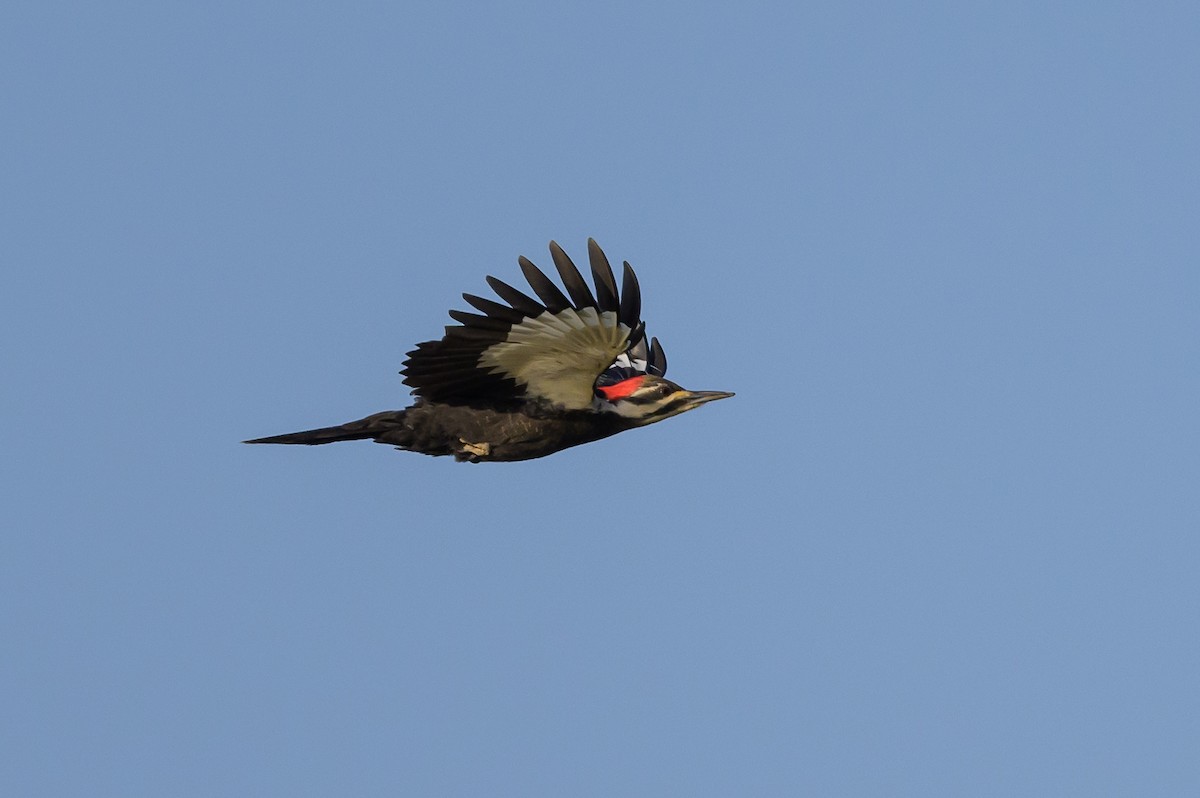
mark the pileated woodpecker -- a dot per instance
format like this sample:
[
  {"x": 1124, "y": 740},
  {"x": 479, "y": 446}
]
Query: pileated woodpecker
[{"x": 530, "y": 378}]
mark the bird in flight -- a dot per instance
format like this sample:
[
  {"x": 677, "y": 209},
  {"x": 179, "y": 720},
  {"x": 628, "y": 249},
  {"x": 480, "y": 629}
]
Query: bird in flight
[{"x": 531, "y": 377}]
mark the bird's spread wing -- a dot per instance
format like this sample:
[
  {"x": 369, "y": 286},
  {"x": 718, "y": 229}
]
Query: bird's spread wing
[{"x": 554, "y": 348}]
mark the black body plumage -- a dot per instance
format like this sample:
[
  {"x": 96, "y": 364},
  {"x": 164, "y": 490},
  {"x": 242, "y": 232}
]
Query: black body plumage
[
  {"x": 493, "y": 433},
  {"x": 530, "y": 378}
]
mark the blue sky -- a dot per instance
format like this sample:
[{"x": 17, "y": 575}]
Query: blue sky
[{"x": 943, "y": 542}]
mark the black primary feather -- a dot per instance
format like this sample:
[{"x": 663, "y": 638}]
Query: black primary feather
[
  {"x": 657, "y": 364},
  {"x": 519, "y": 300},
  {"x": 631, "y": 298},
  {"x": 572, "y": 279},
  {"x": 556, "y": 301},
  {"x": 602, "y": 276}
]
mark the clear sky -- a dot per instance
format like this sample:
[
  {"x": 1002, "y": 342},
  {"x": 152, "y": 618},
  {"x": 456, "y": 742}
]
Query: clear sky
[{"x": 944, "y": 542}]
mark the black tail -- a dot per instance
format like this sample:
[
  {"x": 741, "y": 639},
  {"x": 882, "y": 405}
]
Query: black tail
[{"x": 363, "y": 429}]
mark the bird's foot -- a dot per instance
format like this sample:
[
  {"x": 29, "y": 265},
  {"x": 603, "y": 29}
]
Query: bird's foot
[{"x": 473, "y": 451}]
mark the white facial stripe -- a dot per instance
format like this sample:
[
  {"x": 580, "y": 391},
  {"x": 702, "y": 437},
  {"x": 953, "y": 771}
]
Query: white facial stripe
[{"x": 623, "y": 407}]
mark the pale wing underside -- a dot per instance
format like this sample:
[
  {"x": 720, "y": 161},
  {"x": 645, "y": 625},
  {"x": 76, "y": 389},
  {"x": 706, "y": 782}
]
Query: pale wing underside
[{"x": 558, "y": 357}]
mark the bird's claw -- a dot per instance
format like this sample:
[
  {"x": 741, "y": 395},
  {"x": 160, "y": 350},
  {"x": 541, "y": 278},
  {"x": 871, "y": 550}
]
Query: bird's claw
[{"x": 473, "y": 451}]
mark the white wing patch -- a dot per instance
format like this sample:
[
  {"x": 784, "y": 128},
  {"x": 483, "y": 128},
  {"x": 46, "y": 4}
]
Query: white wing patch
[
  {"x": 626, "y": 362},
  {"x": 558, "y": 357}
]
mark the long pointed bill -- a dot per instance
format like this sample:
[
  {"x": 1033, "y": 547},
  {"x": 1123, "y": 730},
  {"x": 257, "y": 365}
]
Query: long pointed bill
[{"x": 697, "y": 398}]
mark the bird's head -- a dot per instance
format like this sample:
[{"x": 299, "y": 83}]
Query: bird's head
[{"x": 647, "y": 398}]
